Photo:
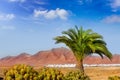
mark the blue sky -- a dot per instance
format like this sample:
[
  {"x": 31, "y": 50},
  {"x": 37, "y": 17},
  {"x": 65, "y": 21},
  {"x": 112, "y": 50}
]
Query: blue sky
[{"x": 30, "y": 25}]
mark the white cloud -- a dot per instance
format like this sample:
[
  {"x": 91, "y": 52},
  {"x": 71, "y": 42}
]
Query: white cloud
[
  {"x": 16, "y": 0},
  {"x": 7, "y": 27},
  {"x": 38, "y": 13},
  {"x": 52, "y": 14},
  {"x": 39, "y": 2},
  {"x": 7, "y": 16},
  {"x": 62, "y": 13},
  {"x": 81, "y": 2},
  {"x": 112, "y": 19},
  {"x": 115, "y": 4}
]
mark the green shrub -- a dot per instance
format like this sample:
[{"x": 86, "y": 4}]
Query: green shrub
[
  {"x": 76, "y": 75},
  {"x": 21, "y": 72},
  {"x": 25, "y": 72},
  {"x": 114, "y": 78},
  {"x": 50, "y": 74}
]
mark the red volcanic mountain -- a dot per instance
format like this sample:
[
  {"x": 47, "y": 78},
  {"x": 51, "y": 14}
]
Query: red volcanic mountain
[{"x": 54, "y": 56}]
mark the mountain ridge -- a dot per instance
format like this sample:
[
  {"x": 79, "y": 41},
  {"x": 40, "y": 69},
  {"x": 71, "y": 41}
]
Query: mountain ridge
[{"x": 54, "y": 56}]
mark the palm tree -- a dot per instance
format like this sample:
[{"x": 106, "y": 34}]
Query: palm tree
[{"x": 83, "y": 43}]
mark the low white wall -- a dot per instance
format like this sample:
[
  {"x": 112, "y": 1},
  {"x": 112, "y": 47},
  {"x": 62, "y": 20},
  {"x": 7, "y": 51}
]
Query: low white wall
[
  {"x": 107, "y": 65},
  {"x": 85, "y": 65},
  {"x": 61, "y": 65}
]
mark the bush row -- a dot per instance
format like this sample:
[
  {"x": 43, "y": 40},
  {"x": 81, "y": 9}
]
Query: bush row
[
  {"x": 26, "y": 72},
  {"x": 114, "y": 78}
]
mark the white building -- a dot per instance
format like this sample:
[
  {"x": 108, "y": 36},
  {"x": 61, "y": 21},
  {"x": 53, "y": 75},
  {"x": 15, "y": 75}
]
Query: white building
[
  {"x": 61, "y": 65},
  {"x": 85, "y": 65}
]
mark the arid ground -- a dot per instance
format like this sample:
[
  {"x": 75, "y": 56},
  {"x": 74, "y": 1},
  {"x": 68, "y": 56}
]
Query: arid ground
[
  {"x": 95, "y": 73},
  {"x": 102, "y": 73},
  {"x": 99, "y": 73}
]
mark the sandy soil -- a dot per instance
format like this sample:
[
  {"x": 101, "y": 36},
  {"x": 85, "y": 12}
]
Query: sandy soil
[
  {"x": 102, "y": 73},
  {"x": 95, "y": 73}
]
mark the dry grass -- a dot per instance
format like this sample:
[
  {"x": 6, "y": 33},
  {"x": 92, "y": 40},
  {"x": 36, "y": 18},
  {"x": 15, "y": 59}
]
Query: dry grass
[
  {"x": 102, "y": 73},
  {"x": 95, "y": 73}
]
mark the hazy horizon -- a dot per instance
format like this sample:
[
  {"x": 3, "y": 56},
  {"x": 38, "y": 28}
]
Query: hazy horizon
[{"x": 30, "y": 25}]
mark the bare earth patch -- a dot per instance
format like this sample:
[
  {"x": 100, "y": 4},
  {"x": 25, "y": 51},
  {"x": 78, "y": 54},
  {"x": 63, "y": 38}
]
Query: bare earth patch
[
  {"x": 96, "y": 73},
  {"x": 102, "y": 73}
]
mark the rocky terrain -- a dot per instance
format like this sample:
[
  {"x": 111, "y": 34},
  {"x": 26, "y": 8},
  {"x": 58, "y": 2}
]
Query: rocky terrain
[{"x": 54, "y": 56}]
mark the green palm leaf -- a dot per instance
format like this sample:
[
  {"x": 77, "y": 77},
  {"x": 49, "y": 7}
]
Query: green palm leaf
[{"x": 83, "y": 43}]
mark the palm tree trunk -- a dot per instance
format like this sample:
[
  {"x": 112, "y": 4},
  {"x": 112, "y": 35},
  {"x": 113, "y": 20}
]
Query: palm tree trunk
[{"x": 79, "y": 65}]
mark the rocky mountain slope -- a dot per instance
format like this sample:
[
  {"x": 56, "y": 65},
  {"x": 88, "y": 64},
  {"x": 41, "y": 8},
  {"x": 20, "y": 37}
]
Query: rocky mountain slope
[{"x": 54, "y": 56}]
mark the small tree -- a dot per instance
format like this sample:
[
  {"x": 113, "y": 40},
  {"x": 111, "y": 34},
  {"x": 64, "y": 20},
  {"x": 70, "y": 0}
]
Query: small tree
[{"x": 83, "y": 43}]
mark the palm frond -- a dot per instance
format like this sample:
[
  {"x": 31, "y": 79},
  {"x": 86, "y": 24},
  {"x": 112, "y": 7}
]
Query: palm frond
[{"x": 84, "y": 42}]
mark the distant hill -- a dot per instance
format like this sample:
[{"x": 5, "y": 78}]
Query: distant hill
[{"x": 54, "y": 56}]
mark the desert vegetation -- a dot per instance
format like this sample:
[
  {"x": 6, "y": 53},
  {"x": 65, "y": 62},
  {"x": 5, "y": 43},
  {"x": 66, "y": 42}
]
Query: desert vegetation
[
  {"x": 114, "y": 78},
  {"x": 25, "y": 72},
  {"x": 83, "y": 43},
  {"x": 21, "y": 72}
]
